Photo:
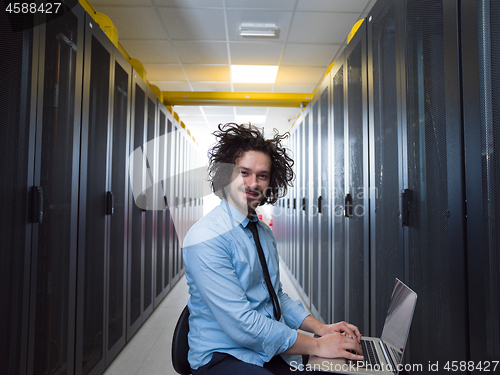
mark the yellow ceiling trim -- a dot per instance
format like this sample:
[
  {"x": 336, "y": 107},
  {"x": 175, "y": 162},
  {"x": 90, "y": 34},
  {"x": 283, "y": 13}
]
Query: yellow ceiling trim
[
  {"x": 248, "y": 99},
  {"x": 88, "y": 7},
  {"x": 355, "y": 28}
]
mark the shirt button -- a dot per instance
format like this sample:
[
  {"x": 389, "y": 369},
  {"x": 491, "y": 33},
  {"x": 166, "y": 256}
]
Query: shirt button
[{"x": 267, "y": 303}]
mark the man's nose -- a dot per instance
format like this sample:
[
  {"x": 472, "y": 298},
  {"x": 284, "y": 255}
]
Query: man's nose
[{"x": 252, "y": 182}]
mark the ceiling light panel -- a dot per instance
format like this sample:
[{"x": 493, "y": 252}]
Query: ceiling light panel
[
  {"x": 253, "y": 73},
  {"x": 259, "y": 30}
]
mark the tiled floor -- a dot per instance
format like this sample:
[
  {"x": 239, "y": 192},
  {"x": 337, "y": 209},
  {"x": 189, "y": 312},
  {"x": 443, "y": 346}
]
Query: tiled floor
[{"x": 148, "y": 353}]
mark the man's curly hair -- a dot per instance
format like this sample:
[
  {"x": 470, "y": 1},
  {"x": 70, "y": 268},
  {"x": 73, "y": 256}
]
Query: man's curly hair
[{"x": 233, "y": 141}]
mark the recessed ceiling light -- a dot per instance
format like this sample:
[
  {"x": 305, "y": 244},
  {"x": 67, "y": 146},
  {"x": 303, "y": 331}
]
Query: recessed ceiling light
[
  {"x": 259, "y": 29},
  {"x": 253, "y": 73}
]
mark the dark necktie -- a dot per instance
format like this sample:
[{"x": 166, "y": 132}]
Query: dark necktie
[{"x": 274, "y": 299}]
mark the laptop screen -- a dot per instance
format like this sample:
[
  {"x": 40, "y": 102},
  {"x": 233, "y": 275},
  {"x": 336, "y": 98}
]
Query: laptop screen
[{"x": 398, "y": 319}]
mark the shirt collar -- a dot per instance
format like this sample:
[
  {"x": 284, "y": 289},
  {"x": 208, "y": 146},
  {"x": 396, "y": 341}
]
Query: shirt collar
[{"x": 236, "y": 214}]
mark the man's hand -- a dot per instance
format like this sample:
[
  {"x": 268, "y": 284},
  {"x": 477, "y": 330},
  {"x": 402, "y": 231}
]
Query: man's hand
[
  {"x": 332, "y": 345},
  {"x": 335, "y": 345},
  {"x": 343, "y": 328}
]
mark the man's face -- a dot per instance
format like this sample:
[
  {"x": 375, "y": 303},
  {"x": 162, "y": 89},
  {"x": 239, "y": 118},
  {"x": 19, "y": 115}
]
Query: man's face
[{"x": 247, "y": 189}]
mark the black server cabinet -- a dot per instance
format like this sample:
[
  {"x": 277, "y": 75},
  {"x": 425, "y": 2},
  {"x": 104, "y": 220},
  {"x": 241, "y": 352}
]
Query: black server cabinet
[
  {"x": 101, "y": 323},
  {"x": 175, "y": 204},
  {"x": 481, "y": 83},
  {"x": 93, "y": 231},
  {"x": 435, "y": 231},
  {"x": 338, "y": 193},
  {"x": 312, "y": 188},
  {"x": 324, "y": 203},
  {"x": 356, "y": 181},
  {"x": 19, "y": 61},
  {"x": 386, "y": 159},
  {"x": 56, "y": 174},
  {"x": 150, "y": 149},
  {"x": 142, "y": 201},
  {"x": 137, "y": 205},
  {"x": 169, "y": 220},
  {"x": 163, "y": 214},
  {"x": 320, "y": 248},
  {"x": 306, "y": 213},
  {"x": 116, "y": 312},
  {"x": 292, "y": 227}
]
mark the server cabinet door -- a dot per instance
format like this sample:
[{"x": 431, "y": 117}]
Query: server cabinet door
[
  {"x": 137, "y": 209},
  {"x": 306, "y": 212},
  {"x": 356, "y": 138},
  {"x": 169, "y": 242},
  {"x": 175, "y": 211},
  {"x": 116, "y": 266},
  {"x": 150, "y": 148},
  {"x": 386, "y": 144},
  {"x": 162, "y": 226},
  {"x": 53, "y": 277},
  {"x": 434, "y": 154},
  {"x": 338, "y": 187},
  {"x": 481, "y": 77},
  {"x": 93, "y": 241},
  {"x": 312, "y": 192},
  {"x": 324, "y": 204},
  {"x": 19, "y": 61}
]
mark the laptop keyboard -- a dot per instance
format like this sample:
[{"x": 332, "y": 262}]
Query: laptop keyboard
[
  {"x": 370, "y": 353},
  {"x": 397, "y": 354}
]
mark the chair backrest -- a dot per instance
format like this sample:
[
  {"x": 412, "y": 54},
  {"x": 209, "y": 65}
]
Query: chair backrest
[{"x": 180, "y": 346}]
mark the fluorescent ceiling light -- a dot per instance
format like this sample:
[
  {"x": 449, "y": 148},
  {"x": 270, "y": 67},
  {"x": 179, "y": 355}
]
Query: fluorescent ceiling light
[
  {"x": 252, "y": 119},
  {"x": 259, "y": 29},
  {"x": 253, "y": 73}
]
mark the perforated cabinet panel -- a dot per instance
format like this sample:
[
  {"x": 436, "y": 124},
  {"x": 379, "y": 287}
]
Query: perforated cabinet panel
[
  {"x": 15, "y": 102},
  {"x": 489, "y": 71},
  {"x": 430, "y": 269}
]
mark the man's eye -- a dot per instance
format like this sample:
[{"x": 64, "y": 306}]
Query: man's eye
[
  {"x": 244, "y": 173},
  {"x": 264, "y": 176}
]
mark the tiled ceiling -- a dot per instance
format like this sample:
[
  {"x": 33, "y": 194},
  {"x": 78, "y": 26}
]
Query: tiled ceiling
[{"x": 189, "y": 45}]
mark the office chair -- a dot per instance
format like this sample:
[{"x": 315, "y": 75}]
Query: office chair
[{"x": 180, "y": 346}]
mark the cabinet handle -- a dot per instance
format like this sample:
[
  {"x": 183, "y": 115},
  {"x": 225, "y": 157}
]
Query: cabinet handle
[
  {"x": 348, "y": 206},
  {"x": 37, "y": 201},
  {"x": 406, "y": 196},
  {"x": 110, "y": 203},
  {"x": 320, "y": 204}
]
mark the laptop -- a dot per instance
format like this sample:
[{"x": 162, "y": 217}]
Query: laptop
[{"x": 388, "y": 349}]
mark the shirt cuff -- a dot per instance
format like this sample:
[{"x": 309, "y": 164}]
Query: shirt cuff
[
  {"x": 279, "y": 339},
  {"x": 295, "y": 314}
]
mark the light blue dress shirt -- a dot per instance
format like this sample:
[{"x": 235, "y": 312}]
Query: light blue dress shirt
[{"x": 230, "y": 307}]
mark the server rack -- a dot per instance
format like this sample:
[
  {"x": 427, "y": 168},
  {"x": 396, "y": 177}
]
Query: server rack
[
  {"x": 387, "y": 258},
  {"x": 94, "y": 210},
  {"x": 17, "y": 140},
  {"x": 400, "y": 105},
  {"x": 480, "y": 76},
  {"x": 51, "y": 326},
  {"x": 356, "y": 181},
  {"x": 338, "y": 193},
  {"x": 433, "y": 174},
  {"x": 79, "y": 254},
  {"x": 116, "y": 309}
]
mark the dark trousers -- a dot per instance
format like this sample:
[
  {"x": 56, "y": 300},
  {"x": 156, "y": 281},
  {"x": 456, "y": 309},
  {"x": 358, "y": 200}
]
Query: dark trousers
[{"x": 225, "y": 364}]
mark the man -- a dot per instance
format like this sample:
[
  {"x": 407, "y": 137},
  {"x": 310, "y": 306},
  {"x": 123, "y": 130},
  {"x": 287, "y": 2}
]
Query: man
[{"x": 239, "y": 323}]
